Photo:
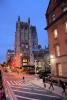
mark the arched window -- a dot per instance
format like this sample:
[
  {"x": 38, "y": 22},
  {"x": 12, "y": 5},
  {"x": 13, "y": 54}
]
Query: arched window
[
  {"x": 55, "y": 33},
  {"x": 57, "y": 50},
  {"x": 66, "y": 26}
]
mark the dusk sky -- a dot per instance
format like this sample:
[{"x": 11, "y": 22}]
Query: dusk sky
[{"x": 9, "y": 12}]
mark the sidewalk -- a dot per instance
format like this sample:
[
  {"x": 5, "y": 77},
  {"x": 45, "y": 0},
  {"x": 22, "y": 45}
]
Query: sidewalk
[{"x": 57, "y": 90}]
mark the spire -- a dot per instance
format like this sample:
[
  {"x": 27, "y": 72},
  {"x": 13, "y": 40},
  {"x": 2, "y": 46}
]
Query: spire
[
  {"x": 29, "y": 20},
  {"x": 18, "y": 18}
]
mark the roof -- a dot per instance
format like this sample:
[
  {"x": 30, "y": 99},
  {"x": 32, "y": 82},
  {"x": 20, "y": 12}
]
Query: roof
[
  {"x": 61, "y": 16},
  {"x": 53, "y": 4},
  {"x": 41, "y": 50}
]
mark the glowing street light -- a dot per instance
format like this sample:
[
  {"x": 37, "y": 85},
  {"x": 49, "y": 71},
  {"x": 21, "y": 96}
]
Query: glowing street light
[
  {"x": 51, "y": 56},
  {"x": 52, "y": 59}
]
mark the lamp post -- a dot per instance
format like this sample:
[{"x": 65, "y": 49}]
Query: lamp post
[
  {"x": 35, "y": 66},
  {"x": 52, "y": 59}
]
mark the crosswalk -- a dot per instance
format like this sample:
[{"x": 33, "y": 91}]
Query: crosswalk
[
  {"x": 18, "y": 83},
  {"x": 25, "y": 90}
]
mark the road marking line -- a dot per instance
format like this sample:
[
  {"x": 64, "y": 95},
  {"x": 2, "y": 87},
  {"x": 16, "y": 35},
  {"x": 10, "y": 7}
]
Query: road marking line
[
  {"x": 18, "y": 82},
  {"x": 15, "y": 82},
  {"x": 37, "y": 94},
  {"x": 26, "y": 97},
  {"x": 21, "y": 88},
  {"x": 24, "y": 88},
  {"x": 39, "y": 90},
  {"x": 33, "y": 86},
  {"x": 8, "y": 83},
  {"x": 28, "y": 88},
  {"x": 12, "y": 83}
]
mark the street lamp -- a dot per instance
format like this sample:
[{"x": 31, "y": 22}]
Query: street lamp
[
  {"x": 51, "y": 56},
  {"x": 35, "y": 66},
  {"x": 52, "y": 59}
]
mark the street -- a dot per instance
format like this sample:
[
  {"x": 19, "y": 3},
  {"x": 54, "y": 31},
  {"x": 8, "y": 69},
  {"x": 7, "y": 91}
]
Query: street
[{"x": 26, "y": 90}]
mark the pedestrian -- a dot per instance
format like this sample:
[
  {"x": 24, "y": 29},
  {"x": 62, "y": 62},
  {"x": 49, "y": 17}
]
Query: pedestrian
[
  {"x": 62, "y": 86},
  {"x": 1, "y": 92},
  {"x": 44, "y": 81},
  {"x": 51, "y": 84},
  {"x": 23, "y": 79}
]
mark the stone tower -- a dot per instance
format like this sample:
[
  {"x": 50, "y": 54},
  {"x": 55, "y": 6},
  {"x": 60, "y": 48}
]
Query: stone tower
[{"x": 25, "y": 40}]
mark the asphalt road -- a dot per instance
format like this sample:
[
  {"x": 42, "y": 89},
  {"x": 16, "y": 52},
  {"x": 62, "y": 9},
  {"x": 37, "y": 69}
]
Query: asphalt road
[{"x": 28, "y": 91}]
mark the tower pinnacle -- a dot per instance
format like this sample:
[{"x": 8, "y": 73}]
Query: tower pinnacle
[{"x": 19, "y": 18}]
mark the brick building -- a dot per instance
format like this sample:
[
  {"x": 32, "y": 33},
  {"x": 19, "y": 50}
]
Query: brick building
[{"x": 56, "y": 16}]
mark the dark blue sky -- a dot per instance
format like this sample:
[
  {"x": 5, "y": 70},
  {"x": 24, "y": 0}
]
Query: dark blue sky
[{"x": 9, "y": 12}]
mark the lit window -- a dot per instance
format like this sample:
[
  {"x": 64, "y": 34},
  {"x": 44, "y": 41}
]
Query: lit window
[
  {"x": 24, "y": 63},
  {"x": 39, "y": 64},
  {"x": 66, "y": 26},
  {"x": 24, "y": 60},
  {"x": 60, "y": 69},
  {"x": 57, "y": 50},
  {"x": 27, "y": 46},
  {"x": 55, "y": 33}
]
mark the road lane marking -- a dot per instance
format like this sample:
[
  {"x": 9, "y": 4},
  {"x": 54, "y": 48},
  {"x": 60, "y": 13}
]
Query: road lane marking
[
  {"x": 20, "y": 88},
  {"x": 8, "y": 83},
  {"x": 26, "y": 97},
  {"x": 19, "y": 82},
  {"x": 27, "y": 88},
  {"x": 13, "y": 83},
  {"x": 32, "y": 86},
  {"x": 37, "y": 94}
]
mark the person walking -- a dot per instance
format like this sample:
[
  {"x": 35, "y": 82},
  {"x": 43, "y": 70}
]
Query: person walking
[
  {"x": 51, "y": 85},
  {"x": 23, "y": 79},
  {"x": 44, "y": 81},
  {"x": 62, "y": 86},
  {"x": 1, "y": 91}
]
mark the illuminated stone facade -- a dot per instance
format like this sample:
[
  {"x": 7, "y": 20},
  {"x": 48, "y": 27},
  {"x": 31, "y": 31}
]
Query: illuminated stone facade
[{"x": 25, "y": 40}]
